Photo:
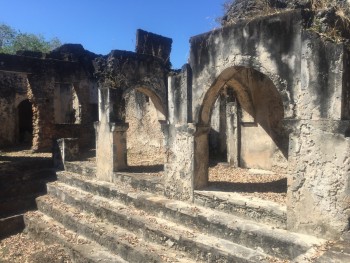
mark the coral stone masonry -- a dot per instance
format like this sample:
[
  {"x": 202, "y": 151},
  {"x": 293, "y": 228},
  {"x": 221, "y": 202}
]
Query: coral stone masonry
[{"x": 267, "y": 95}]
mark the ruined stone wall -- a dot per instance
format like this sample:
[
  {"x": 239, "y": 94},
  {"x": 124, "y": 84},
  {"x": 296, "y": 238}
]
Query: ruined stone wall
[
  {"x": 308, "y": 74},
  {"x": 319, "y": 190},
  {"x": 153, "y": 44},
  {"x": 145, "y": 139},
  {"x": 13, "y": 90},
  {"x": 270, "y": 45},
  {"x": 41, "y": 93},
  {"x": 320, "y": 94},
  {"x": 88, "y": 111}
]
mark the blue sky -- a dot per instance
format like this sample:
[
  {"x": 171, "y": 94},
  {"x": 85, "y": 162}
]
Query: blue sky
[{"x": 103, "y": 25}]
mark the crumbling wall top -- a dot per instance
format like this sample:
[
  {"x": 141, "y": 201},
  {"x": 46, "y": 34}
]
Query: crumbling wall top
[{"x": 153, "y": 44}]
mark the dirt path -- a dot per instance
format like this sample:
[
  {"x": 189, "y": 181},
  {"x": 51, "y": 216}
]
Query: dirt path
[{"x": 21, "y": 248}]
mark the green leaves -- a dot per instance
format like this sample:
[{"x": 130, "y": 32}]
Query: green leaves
[{"x": 12, "y": 40}]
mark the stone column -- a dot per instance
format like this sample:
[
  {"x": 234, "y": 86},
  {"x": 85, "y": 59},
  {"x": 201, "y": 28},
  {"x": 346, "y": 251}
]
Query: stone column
[
  {"x": 65, "y": 149},
  {"x": 318, "y": 185},
  {"x": 178, "y": 176},
  {"x": 118, "y": 131},
  {"x": 167, "y": 138},
  {"x": 111, "y": 148},
  {"x": 232, "y": 139},
  {"x": 179, "y": 165},
  {"x": 201, "y": 157}
]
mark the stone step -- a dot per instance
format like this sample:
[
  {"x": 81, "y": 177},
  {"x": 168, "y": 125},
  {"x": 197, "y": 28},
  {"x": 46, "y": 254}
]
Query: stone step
[
  {"x": 81, "y": 249},
  {"x": 82, "y": 168},
  {"x": 128, "y": 245},
  {"x": 141, "y": 181},
  {"x": 276, "y": 242},
  {"x": 154, "y": 229},
  {"x": 259, "y": 210},
  {"x": 252, "y": 208},
  {"x": 11, "y": 225}
]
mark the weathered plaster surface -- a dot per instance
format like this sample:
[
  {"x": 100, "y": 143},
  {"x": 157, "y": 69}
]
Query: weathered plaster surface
[
  {"x": 318, "y": 187},
  {"x": 145, "y": 136},
  {"x": 13, "y": 90}
]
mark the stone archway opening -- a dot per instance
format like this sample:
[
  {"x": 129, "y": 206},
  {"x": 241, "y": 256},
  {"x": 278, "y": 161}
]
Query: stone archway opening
[
  {"x": 144, "y": 113},
  {"x": 25, "y": 122},
  {"x": 244, "y": 146}
]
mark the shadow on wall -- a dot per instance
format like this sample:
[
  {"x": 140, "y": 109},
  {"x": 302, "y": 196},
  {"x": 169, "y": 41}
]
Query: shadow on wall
[
  {"x": 279, "y": 186},
  {"x": 25, "y": 122}
]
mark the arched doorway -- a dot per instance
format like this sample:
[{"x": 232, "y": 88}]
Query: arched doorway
[
  {"x": 144, "y": 113},
  {"x": 256, "y": 143},
  {"x": 25, "y": 122}
]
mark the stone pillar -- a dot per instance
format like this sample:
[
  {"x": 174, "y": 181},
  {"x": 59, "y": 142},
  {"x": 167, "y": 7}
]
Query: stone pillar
[
  {"x": 65, "y": 149},
  {"x": 167, "y": 138},
  {"x": 232, "y": 138},
  {"x": 179, "y": 165},
  {"x": 201, "y": 157},
  {"x": 111, "y": 148},
  {"x": 178, "y": 177},
  {"x": 318, "y": 200},
  {"x": 118, "y": 131}
]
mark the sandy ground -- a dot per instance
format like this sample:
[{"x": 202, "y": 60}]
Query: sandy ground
[{"x": 21, "y": 248}]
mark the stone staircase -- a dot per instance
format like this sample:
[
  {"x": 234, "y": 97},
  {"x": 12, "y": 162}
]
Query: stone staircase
[
  {"x": 131, "y": 221},
  {"x": 18, "y": 190}
]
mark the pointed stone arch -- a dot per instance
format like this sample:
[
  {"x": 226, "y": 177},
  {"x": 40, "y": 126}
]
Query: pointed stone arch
[{"x": 258, "y": 111}]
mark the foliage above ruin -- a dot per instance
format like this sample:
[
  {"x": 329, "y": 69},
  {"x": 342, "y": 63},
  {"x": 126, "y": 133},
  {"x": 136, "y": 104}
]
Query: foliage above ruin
[
  {"x": 330, "y": 18},
  {"x": 12, "y": 41}
]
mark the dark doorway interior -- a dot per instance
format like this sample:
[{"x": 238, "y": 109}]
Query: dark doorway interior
[{"x": 25, "y": 122}]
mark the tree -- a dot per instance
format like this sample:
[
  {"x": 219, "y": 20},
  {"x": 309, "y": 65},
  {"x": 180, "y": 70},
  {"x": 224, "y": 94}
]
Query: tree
[
  {"x": 12, "y": 40},
  {"x": 7, "y": 36}
]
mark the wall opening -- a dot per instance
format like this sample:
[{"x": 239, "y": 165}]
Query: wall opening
[
  {"x": 25, "y": 122},
  {"x": 145, "y": 138},
  {"x": 245, "y": 110},
  {"x": 66, "y": 104}
]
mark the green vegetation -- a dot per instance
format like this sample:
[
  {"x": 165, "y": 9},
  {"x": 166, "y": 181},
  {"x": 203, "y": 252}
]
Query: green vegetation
[{"x": 12, "y": 40}]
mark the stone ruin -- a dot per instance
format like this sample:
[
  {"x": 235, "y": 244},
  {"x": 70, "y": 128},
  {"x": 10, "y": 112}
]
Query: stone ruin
[{"x": 269, "y": 93}]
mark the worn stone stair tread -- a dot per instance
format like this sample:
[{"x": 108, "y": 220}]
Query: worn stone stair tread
[
  {"x": 125, "y": 243},
  {"x": 235, "y": 203},
  {"x": 276, "y": 242},
  {"x": 163, "y": 231},
  {"x": 81, "y": 249},
  {"x": 83, "y": 168},
  {"x": 143, "y": 181}
]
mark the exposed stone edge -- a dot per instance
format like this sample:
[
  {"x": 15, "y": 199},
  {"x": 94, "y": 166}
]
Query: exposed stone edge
[
  {"x": 116, "y": 239},
  {"x": 89, "y": 252},
  {"x": 258, "y": 210},
  {"x": 197, "y": 246},
  {"x": 217, "y": 223}
]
